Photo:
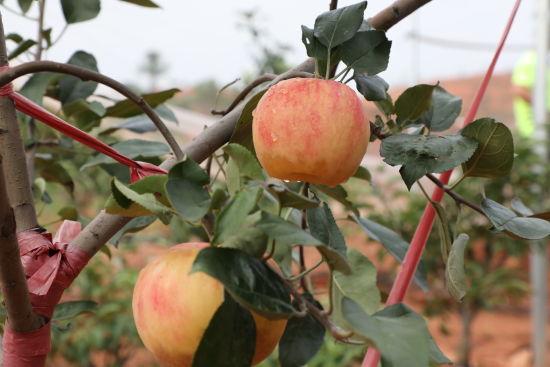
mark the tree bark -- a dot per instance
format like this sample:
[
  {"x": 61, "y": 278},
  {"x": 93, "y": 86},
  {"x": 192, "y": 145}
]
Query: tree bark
[{"x": 467, "y": 315}]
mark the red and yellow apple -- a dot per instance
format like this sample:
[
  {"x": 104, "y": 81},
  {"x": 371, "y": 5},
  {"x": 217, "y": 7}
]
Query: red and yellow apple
[
  {"x": 173, "y": 308},
  {"x": 310, "y": 130}
]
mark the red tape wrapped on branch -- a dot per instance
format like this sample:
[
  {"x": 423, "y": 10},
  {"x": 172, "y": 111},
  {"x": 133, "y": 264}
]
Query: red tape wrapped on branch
[
  {"x": 420, "y": 237},
  {"x": 50, "y": 267},
  {"x": 138, "y": 169}
]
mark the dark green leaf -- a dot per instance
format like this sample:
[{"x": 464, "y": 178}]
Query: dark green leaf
[
  {"x": 247, "y": 164},
  {"x": 505, "y": 219},
  {"x": 302, "y": 339},
  {"x": 186, "y": 190},
  {"x": 322, "y": 226},
  {"x": 394, "y": 244},
  {"x": 367, "y": 52},
  {"x": 142, "y": 123},
  {"x": 54, "y": 172},
  {"x": 24, "y": 5},
  {"x": 360, "y": 286},
  {"x": 443, "y": 111},
  {"x": 35, "y": 88},
  {"x": 373, "y": 88},
  {"x": 455, "y": 276},
  {"x": 127, "y": 108},
  {"x": 14, "y": 37},
  {"x": 337, "y": 193},
  {"x": 144, "y": 197},
  {"x": 494, "y": 155},
  {"x": 135, "y": 225},
  {"x": 362, "y": 174},
  {"x": 249, "y": 280},
  {"x": 242, "y": 134},
  {"x": 47, "y": 35},
  {"x": 314, "y": 47},
  {"x": 233, "y": 215},
  {"x": 420, "y": 154},
  {"x": 289, "y": 198},
  {"x": 71, "y": 309},
  {"x": 413, "y": 102},
  {"x": 145, "y": 3},
  {"x": 230, "y": 338},
  {"x": 81, "y": 10},
  {"x": 251, "y": 240},
  {"x": 400, "y": 334},
  {"x": 444, "y": 229},
  {"x": 289, "y": 234},
  {"x": 86, "y": 115},
  {"x": 132, "y": 148},
  {"x": 72, "y": 88},
  {"x": 436, "y": 355},
  {"x": 337, "y": 26},
  {"x": 22, "y": 47}
]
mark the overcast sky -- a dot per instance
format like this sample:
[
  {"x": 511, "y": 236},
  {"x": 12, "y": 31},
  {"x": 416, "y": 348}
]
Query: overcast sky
[{"x": 200, "y": 39}]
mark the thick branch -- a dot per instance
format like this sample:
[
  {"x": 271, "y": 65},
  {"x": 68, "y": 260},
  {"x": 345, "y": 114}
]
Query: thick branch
[
  {"x": 333, "y": 4},
  {"x": 260, "y": 80},
  {"x": 12, "y": 278},
  {"x": 15, "y": 168},
  {"x": 86, "y": 74},
  {"x": 394, "y": 13}
]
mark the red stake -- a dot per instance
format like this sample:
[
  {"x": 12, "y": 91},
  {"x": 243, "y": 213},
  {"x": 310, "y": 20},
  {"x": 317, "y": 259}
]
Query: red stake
[{"x": 418, "y": 242}]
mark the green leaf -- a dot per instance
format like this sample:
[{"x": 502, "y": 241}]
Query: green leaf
[
  {"x": 135, "y": 225},
  {"x": 53, "y": 171},
  {"x": 145, "y": 3},
  {"x": 519, "y": 207},
  {"x": 72, "y": 88},
  {"x": 505, "y": 219},
  {"x": 420, "y": 154},
  {"x": 234, "y": 214},
  {"x": 289, "y": 234},
  {"x": 494, "y": 155},
  {"x": 127, "y": 108},
  {"x": 337, "y": 193},
  {"x": 359, "y": 285},
  {"x": 400, "y": 334},
  {"x": 14, "y": 37},
  {"x": 436, "y": 355},
  {"x": 144, "y": 197},
  {"x": 230, "y": 338},
  {"x": 186, "y": 190},
  {"x": 132, "y": 148},
  {"x": 251, "y": 240},
  {"x": 289, "y": 198},
  {"x": 245, "y": 161},
  {"x": 86, "y": 115},
  {"x": 68, "y": 213},
  {"x": 444, "y": 230},
  {"x": 396, "y": 246},
  {"x": 373, "y": 88},
  {"x": 337, "y": 26},
  {"x": 81, "y": 10},
  {"x": 443, "y": 111},
  {"x": 71, "y": 309},
  {"x": 35, "y": 87},
  {"x": 413, "y": 102},
  {"x": 47, "y": 35},
  {"x": 367, "y": 52},
  {"x": 21, "y": 47},
  {"x": 323, "y": 227},
  {"x": 455, "y": 276},
  {"x": 142, "y": 123},
  {"x": 314, "y": 48},
  {"x": 242, "y": 134},
  {"x": 24, "y": 5},
  {"x": 249, "y": 280},
  {"x": 362, "y": 173},
  {"x": 302, "y": 339}
]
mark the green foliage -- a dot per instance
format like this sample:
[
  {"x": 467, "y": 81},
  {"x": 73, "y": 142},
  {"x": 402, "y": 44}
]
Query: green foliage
[
  {"x": 412, "y": 103},
  {"x": 229, "y": 339},
  {"x": 454, "y": 272},
  {"x": 373, "y": 88},
  {"x": 80, "y": 11}
]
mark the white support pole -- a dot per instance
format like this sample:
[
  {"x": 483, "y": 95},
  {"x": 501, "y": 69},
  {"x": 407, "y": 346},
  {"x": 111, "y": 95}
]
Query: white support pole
[{"x": 539, "y": 266}]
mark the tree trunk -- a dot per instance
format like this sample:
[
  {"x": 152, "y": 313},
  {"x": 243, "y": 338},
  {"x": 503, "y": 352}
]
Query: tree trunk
[{"x": 467, "y": 314}]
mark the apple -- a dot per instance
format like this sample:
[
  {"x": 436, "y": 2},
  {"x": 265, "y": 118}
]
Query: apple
[
  {"x": 310, "y": 130},
  {"x": 173, "y": 308}
]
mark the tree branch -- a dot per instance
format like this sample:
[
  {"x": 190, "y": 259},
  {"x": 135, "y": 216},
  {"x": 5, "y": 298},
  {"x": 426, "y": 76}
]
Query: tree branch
[
  {"x": 394, "y": 13},
  {"x": 457, "y": 197},
  {"x": 12, "y": 277},
  {"x": 86, "y": 74},
  {"x": 333, "y": 4},
  {"x": 260, "y": 80}
]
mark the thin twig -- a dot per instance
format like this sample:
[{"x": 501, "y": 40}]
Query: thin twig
[
  {"x": 241, "y": 96},
  {"x": 18, "y": 13},
  {"x": 305, "y": 272},
  {"x": 457, "y": 197},
  {"x": 85, "y": 74},
  {"x": 40, "y": 35}
]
